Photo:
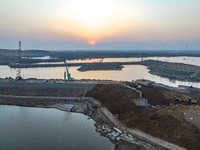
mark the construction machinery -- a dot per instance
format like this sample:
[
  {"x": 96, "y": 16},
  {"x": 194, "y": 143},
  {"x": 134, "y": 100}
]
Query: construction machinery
[
  {"x": 137, "y": 86},
  {"x": 189, "y": 99},
  {"x": 182, "y": 98},
  {"x": 192, "y": 101},
  {"x": 177, "y": 99},
  {"x": 68, "y": 74}
]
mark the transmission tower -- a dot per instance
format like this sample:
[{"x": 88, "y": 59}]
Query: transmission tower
[{"x": 19, "y": 63}]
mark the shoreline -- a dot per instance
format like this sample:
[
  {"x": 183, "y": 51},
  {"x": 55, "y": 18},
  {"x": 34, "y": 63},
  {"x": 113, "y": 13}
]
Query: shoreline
[
  {"x": 124, "y": 144},
  {"x": 170, "y": 70},
  {"x": 103, "y": 117},
  {"x": 105, "y": 107}
]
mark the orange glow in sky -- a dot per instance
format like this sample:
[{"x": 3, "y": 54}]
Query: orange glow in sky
[
  {"x": 92, "y": 42},
  {"x": 101, "y": 24}
]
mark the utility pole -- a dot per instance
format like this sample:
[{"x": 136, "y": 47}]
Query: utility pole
[{"x": 64, "y": 75}]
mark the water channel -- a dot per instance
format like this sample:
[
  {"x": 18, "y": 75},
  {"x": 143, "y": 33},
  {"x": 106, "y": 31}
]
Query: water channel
[
  {"x": 185, "y": 60},
  {"x": 41, "y": 128},
  {"x": 128, "y": 73}
]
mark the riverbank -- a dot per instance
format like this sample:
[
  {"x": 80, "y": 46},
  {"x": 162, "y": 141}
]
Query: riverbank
[
  {"x": 177, "y": 71},
  {"x": 87, "y": 106},
  {"x": 172, "y": 71},
  {"x": 100, "y": 66},
  {"x": 106, "y": 122},
  {"x": 37, "y": 56},
  {"x": 117, "y": 104}
]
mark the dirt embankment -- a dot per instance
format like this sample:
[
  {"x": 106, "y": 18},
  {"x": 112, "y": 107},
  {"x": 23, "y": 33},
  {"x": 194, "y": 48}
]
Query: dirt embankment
[
  {"x": 33, "y": 96},
  {"x": 168, "y": 122},
  {"x": 174, "y": 70},
  {"x": 153, "y": 95},
  {"x": 176, "y": 122},
  {"x": 117, "y": 98},
  {"x": 41, "y": 91},
  {"x": 100, "y": 66},
  {"x": 166, "y": 125}
]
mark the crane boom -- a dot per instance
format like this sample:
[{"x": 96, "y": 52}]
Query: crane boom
[{"x": 68, "y": 74}]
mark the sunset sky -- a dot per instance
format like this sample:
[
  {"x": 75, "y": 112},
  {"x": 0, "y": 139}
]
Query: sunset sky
[{"x": 100, "y": 24}]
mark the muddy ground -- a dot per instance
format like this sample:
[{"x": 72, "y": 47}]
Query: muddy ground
[{"x": 176, "y": 122}]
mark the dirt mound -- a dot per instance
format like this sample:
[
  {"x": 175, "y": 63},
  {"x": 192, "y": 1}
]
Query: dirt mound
[
  {"x": 171, "y": 123},
  {"x": 153, "y": 95},
  {"x": 190, "y": 113},
  {"x": 117, "y": 98},
  {"x": 168, "y": 124}
]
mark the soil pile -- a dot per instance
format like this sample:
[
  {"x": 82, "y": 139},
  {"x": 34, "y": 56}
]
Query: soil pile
[
  {"x": 171, "y": 122},
  {"x": 176, "y": 122},
  {"x": 153, "y": 95},
  {"x": 168, "y": 124},
  {"x": 117, "y": 98}
]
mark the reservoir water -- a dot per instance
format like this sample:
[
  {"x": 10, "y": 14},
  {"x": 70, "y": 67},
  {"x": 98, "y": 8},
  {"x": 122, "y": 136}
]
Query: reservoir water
[
  {"x": 185, "y": 60},
  {"x": 41, "y": 128},
  {"x": 128, "y": 73}
]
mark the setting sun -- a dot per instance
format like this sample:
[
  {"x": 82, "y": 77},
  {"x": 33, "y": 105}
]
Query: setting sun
[
  {"x": 92, "y": 42},
  {"x": 101, "y": 24}
]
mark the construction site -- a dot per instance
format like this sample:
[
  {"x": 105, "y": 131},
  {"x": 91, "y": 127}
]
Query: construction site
[
  {"x": 170, "y": 114},
  {"x": 152, "y": 115}
]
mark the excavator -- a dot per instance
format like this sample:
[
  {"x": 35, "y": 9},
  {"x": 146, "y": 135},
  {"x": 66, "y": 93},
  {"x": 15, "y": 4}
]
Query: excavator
[
  {"x": 177, "y": 99},
  {"x": 184, "y": 98},
  {"x": 137, "y": 86},
  {"x": 189, "y": 100},
  {"x": 68, "y": 74}
]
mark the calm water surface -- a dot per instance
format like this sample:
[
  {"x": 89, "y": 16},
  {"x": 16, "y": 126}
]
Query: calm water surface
[
  {"x": 41, "y": 128},
  {"x": 185, "y": 60},
  {"x": 129, "y": 73}
]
